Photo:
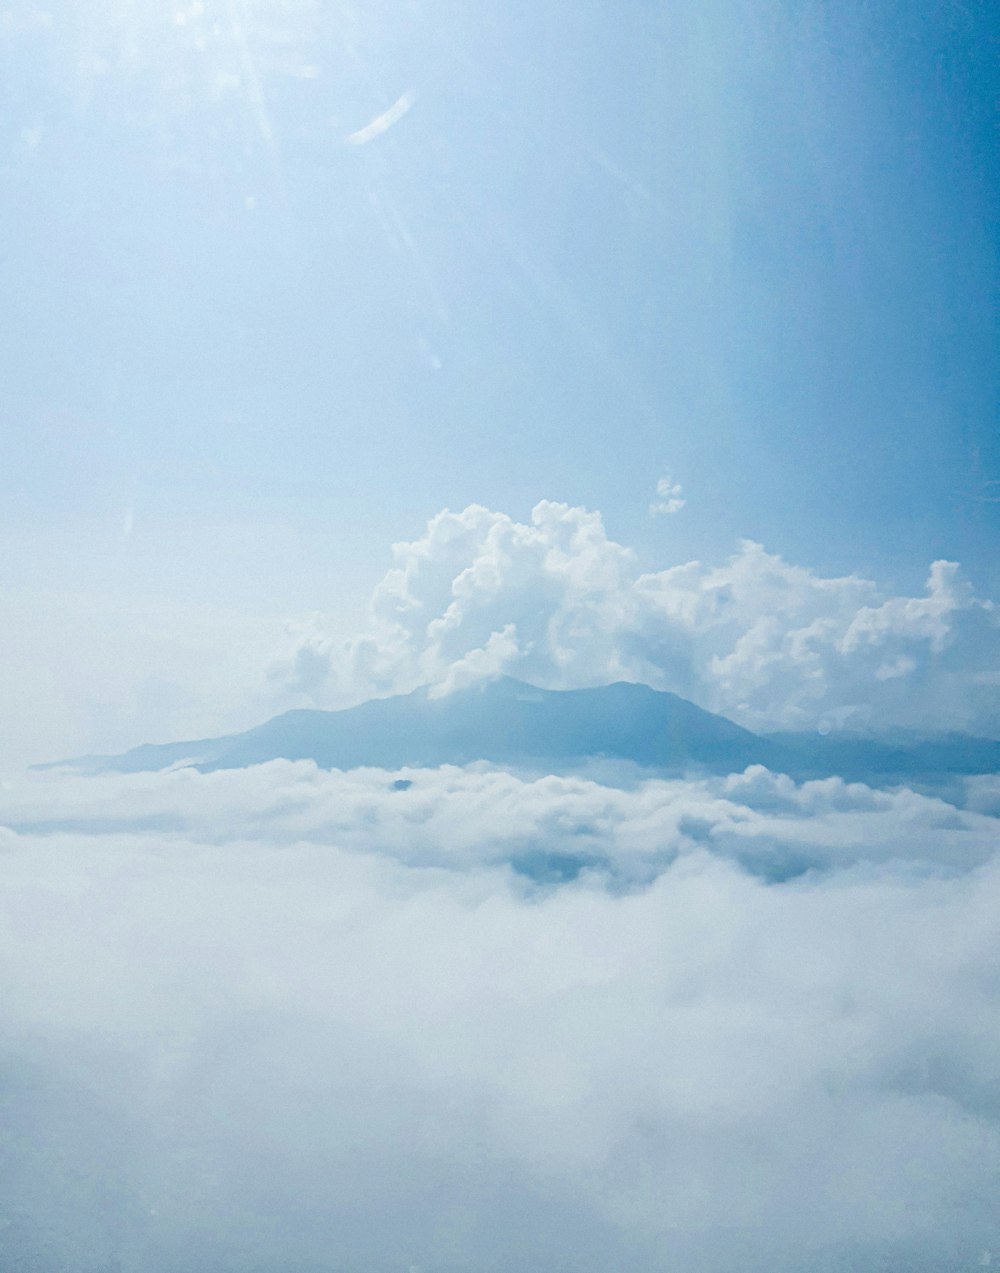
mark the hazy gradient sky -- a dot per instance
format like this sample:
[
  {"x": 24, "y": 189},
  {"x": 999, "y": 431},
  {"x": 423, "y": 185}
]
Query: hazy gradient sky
[{"x": 283, "y": 279}]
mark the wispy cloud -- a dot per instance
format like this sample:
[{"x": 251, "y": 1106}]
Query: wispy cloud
[{"x": 382, "y": 123}]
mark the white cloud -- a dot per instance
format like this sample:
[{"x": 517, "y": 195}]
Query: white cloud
[
  {"x": 770, "y": 644},
  {"x": 383, "y": 122},
  {"x": 670, "y": 497},
  {"x": 478, "y": 816},
  {"x": 481, "y": 664},
  {"x": 279, "y": 1018}
]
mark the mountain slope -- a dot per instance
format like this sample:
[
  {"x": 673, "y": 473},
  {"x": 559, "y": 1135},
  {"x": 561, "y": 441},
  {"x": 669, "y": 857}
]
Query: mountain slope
[
  {"x": 508, "y": 722},
  {"x": 896, "y": 757},
  {"x": 504, "y": 721}
]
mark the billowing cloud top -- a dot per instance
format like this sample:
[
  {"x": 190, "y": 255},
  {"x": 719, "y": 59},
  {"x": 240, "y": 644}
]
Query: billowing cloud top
[{"x": 769, "y": 644}]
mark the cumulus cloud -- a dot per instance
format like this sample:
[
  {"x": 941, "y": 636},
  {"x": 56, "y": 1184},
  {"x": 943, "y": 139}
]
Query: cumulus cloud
[
  {"x": 556, "y": 601},
  {"x": 281, "y": 1018}
]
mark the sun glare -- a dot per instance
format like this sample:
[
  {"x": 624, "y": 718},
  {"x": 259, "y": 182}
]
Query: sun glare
[{"x": 217, "y": 85}]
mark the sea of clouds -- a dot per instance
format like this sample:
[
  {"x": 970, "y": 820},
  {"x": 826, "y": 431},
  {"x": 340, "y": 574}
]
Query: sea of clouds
[
  {"x": 283, "y": 1020},
  {"x": 558, "y": 603}
]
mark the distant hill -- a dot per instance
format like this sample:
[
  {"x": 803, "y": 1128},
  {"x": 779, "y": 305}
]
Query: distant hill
[
  {"x": 899, "y": 757},
  {"x": 508, "y": 722},
  {"x": 504, "y": 721}
]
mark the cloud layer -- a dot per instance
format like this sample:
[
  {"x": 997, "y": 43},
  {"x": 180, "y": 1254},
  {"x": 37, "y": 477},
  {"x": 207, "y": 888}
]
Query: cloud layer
[
  {"x": 769, "y": 644},
  {"x": 459, "y": 1019}
]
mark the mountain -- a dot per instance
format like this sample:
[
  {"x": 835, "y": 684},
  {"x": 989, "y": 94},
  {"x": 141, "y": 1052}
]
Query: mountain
[
  {"x": 504, "y": 721},
  {"x": 508, "y": 722},
  {"x": 916, "y": 759}
]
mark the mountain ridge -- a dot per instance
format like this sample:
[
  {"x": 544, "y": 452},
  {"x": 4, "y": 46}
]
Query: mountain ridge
[{"x": 506, "y": 721}]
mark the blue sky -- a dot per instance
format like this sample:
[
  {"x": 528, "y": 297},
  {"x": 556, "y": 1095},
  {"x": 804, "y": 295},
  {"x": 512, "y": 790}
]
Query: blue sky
[{"x": 250, "y": 341}]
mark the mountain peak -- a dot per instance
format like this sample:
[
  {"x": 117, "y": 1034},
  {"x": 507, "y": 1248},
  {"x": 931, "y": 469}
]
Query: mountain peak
[{"x": 505, "y": 720}]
